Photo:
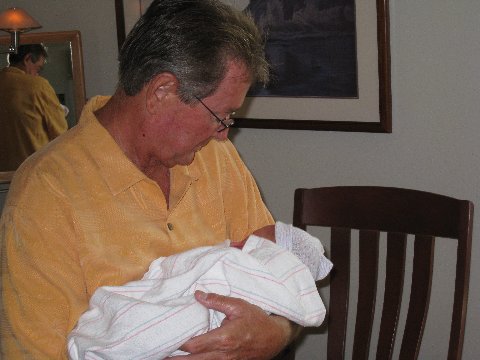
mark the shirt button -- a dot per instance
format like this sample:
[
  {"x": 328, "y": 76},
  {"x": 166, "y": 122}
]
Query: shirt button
[{"x": 170, "y": 226}]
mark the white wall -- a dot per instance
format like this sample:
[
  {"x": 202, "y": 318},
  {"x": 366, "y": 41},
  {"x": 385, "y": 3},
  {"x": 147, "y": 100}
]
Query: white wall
[
  {"x": 436, "y": 105},
  {"x": 435, "y": 141}
]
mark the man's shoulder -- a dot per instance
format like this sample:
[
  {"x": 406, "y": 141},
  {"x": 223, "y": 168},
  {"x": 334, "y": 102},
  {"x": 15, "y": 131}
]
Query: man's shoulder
[
  {"x": 219, "y": 154},
  {"x": 29, "y": 82},
  {"x": 41, "y": 82},
  {"x": 52, "y": 165},
  {"x": 218, "y": 148}
]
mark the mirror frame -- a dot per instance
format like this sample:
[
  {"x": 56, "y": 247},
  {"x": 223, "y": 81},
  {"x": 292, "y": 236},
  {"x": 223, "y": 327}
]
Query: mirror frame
[{"x": 77, "y": 58}]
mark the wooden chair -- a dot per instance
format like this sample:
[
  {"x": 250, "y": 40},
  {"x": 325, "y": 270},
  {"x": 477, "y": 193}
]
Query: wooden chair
[{"x": 396, "y": 212}]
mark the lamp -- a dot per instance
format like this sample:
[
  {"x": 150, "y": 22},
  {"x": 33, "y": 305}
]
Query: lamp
[{"x": 16, "y": 21}]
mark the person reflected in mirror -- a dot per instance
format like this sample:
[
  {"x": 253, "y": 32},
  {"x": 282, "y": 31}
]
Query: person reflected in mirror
[{"x": 30, "y": 112}]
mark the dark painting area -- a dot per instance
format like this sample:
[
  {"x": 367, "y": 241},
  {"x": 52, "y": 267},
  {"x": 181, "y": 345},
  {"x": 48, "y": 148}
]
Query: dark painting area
[{"x": 311, "y": 47}]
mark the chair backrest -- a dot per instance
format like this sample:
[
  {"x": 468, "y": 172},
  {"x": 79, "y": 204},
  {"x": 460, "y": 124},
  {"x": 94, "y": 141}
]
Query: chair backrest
[{"x": 397, "y": 212}]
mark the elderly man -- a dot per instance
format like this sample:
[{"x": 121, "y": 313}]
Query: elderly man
[{"x": 146, "y": 173}]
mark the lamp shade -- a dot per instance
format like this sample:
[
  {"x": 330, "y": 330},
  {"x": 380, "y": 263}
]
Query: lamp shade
[{"x": 16, "y": 19}]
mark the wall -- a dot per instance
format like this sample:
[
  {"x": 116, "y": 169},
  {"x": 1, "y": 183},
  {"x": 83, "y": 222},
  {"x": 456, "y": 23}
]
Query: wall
[{"x": 434, "y": 145}]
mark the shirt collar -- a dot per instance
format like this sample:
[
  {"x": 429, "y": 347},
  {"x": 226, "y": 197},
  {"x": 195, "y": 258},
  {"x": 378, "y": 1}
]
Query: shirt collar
[{"x": 14, "y": 69}]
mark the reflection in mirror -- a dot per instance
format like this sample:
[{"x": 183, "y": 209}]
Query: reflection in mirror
[
  {"x": 64, "y": 68},
  {"x": 64, "y": 72}
]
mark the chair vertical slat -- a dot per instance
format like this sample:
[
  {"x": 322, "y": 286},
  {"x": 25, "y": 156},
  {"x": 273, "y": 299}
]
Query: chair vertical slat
[
  {"x": 460, "y": 298},
  {"x": 298, "y": 213},
  {"x": 419, "y": 296},
  {"x": 339, "y": 288},
  {"x": 367, "y": 290},
  {"x": 394, "y": 279}
]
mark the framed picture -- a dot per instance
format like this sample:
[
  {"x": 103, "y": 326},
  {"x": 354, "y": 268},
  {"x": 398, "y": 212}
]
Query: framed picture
[
  {"x": 127, "y": 13},
  {"x": 330, "y": 64}
]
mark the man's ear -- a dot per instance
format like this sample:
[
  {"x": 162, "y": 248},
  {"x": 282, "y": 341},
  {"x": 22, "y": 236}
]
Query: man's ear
[
  {"x": 27, "y": 58},
  {"x": 160, "y": 89}
]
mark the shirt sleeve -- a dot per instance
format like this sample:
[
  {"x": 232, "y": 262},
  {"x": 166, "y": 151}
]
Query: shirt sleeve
[
  {"x": 42, "y": 289},
  {"x": 52, "y": 112},
  {"x": 245, "y": 210}
]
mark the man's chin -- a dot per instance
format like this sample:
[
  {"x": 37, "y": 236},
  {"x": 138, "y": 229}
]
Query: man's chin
[{"x": 187, "y": 159}]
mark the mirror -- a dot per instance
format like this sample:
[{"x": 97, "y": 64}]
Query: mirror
[{"x": 64, "y": 68}]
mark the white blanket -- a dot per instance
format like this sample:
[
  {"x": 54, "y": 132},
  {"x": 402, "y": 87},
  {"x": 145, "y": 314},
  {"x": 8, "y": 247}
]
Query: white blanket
[{"x": 153, "y": 317}]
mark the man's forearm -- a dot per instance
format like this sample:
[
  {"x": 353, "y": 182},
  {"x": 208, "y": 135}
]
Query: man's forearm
[{"x": 291, "y": 329}]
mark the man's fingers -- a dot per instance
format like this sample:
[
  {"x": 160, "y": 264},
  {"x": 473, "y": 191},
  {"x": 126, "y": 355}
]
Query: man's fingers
[{"x": 227, "y": 305}]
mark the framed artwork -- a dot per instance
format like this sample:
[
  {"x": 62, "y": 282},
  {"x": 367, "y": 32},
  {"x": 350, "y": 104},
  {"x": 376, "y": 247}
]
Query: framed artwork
[
  {"x": 127, "y": 13},
  {"x": 330, "y": 63}
]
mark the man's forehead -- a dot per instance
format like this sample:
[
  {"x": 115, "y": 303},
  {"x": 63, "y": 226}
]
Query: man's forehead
[{"x": 237, "y": 72}]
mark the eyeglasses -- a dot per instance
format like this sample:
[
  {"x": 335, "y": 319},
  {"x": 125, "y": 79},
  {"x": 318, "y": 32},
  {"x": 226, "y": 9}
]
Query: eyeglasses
[{"x": 223, "y": 124}]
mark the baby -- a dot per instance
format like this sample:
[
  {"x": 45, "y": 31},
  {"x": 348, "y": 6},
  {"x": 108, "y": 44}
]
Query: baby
[{"x": 155, "y": 316}]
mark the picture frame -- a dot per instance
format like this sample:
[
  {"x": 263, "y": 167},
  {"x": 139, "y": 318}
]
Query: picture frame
[
  {"x": 127, "y": 12},
  {"x": 370, "y": 112}
]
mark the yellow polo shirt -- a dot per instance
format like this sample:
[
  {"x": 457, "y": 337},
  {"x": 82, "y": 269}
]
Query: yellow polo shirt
[
  {"x": 80, "y": 215},
  {"x": 30, "y": 116}
]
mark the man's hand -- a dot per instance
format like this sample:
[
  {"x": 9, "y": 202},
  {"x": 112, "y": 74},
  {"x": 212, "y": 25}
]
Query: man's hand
[{"x": 246, "y": 333}]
